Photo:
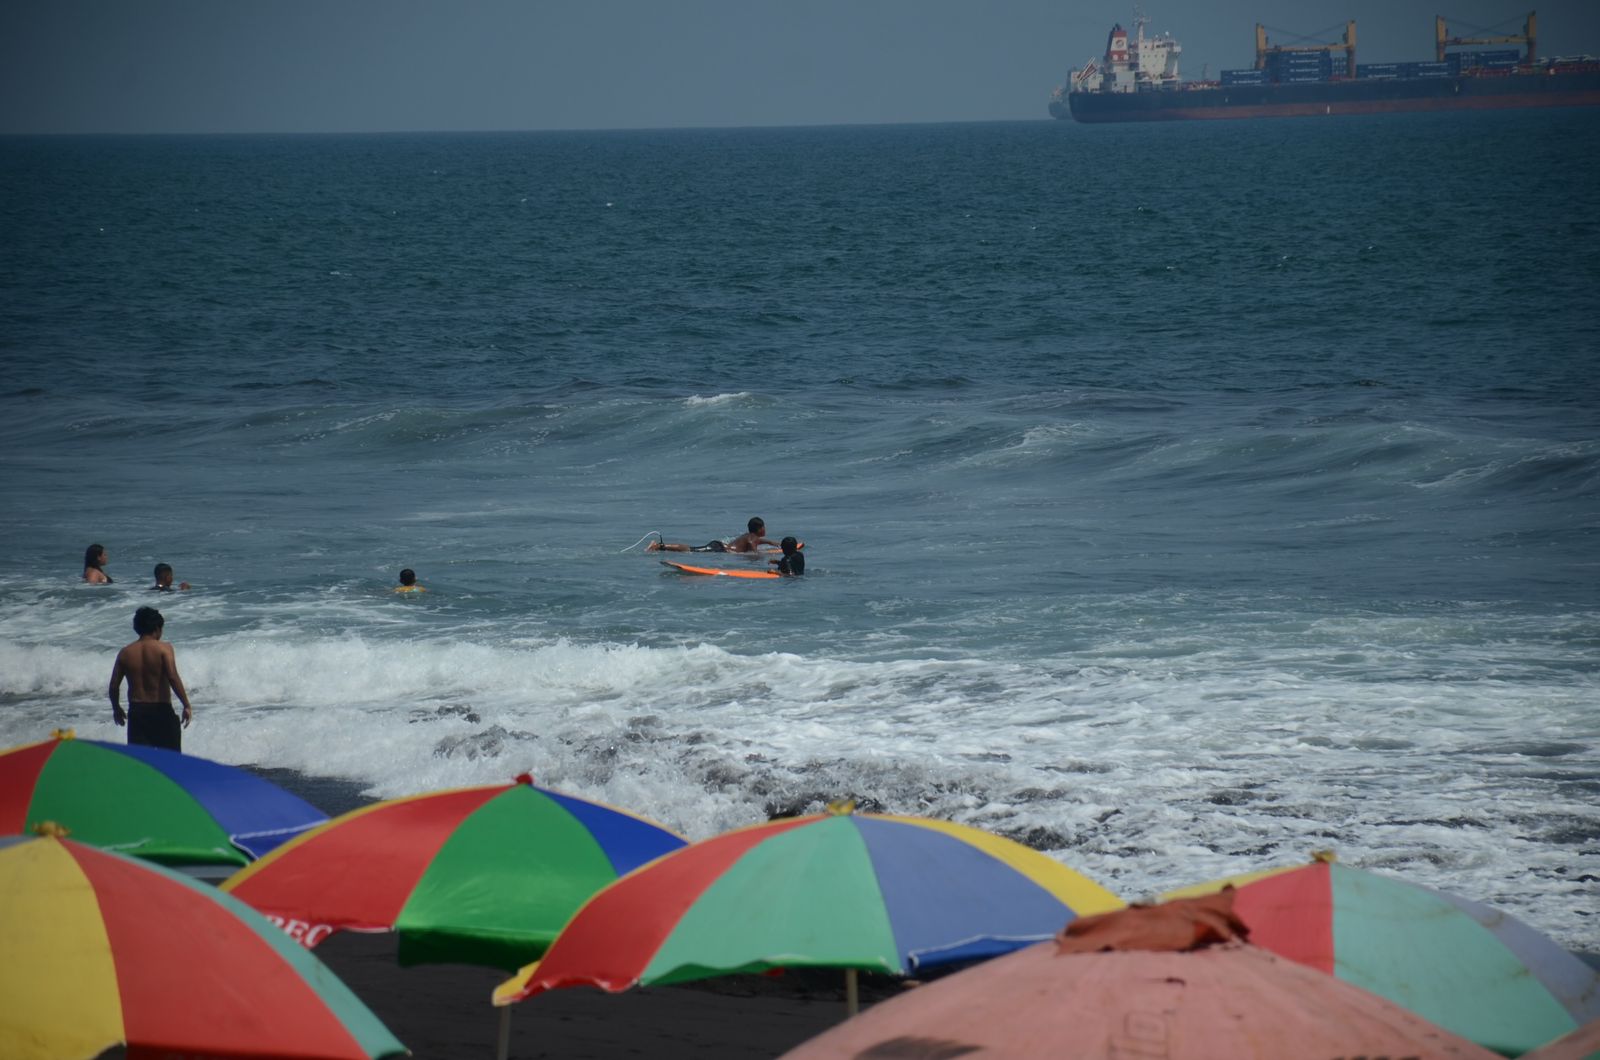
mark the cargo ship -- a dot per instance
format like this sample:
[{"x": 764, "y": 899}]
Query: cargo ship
[{"x": 1137, "y": 79}]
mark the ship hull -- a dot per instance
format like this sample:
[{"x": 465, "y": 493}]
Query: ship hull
[{"x": 1322, "y": 98}]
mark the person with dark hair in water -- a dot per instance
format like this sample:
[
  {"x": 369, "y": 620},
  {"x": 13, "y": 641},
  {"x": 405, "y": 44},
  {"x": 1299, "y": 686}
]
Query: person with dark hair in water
[
  {"x": 150, "y": 667},
  {"x": 746, "y": 542},
  {"x": 94, "y": 562},
  {"x": 792, "y": 563},
  {"x": 164, "y": 579},
  {"x": 408, "y": 582}
]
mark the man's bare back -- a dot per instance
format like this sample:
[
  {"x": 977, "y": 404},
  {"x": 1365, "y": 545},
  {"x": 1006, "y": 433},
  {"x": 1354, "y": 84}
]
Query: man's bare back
[
  {"x": 150, "y": 667},
  {"x": 747, "y": 543},
  {"x": 753, "y": 540}
]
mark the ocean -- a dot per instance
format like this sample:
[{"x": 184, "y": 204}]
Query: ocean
[{"x": 1178, "y": 500}]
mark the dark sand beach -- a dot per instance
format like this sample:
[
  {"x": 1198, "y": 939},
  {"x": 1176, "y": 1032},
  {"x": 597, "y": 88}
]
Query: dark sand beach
[{"x": 444, "y": 1010}]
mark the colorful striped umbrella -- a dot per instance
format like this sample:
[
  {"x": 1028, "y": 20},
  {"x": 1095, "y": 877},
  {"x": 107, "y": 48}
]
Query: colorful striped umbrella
[
  {"x": 102, "y": 949},
  {"x": 841, "y": 890},
  {"x": 157, "y": 804},
  {"x": 484, "y": 875},
  {"x": 1471, "y": 969}
]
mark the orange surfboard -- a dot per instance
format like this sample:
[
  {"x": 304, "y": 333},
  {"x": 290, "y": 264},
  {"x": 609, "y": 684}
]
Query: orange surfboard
[{"x": 685, "y": 568}]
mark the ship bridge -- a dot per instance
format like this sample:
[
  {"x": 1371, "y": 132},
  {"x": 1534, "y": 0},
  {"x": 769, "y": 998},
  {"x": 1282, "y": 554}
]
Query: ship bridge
[{"x": 1136, "y": 64}]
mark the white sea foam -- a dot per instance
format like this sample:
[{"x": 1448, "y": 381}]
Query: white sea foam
[
  {"x": 1038, "y": 442},
  {"x": 1159, "y": 765},
  {"x": 715, "y": 399}
]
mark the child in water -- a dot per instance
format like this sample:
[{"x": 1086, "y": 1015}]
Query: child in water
[
  {"x": 792, "y": 563},
  {"x": 163, "y": 576},
  {"x": 408, "y": 582}
]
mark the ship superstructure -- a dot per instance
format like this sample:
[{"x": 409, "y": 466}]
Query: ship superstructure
[{"x": 1136, "y": 64}]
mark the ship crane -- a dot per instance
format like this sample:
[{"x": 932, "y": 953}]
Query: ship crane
[
  {"x": 1443, "y": 40},
  {"x": 1347, "y": 45}
]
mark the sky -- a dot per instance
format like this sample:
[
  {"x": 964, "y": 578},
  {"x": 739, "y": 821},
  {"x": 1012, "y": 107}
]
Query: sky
[{"x": 250, "y": 66}]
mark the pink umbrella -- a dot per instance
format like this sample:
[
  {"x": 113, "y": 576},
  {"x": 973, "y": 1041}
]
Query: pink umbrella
[
  {"x": 1170, "y": 982},
  {"x": 1581, "y": 1044}
]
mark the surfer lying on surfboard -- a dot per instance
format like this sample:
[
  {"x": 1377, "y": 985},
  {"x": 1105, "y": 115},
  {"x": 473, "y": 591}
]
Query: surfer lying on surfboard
[{"x": 746, "y": 542}]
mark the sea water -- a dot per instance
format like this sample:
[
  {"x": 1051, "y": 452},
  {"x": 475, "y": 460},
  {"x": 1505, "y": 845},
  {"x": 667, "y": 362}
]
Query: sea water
[{"x": 1178, "y": 499}]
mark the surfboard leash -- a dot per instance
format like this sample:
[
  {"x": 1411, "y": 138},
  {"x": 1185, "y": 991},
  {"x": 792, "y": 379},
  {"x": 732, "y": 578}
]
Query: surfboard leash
[{"x": 653, "y": 534}]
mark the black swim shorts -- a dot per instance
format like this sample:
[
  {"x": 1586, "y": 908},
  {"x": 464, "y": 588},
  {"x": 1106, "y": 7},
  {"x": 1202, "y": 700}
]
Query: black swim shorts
[{"x": 155, "y": 725}]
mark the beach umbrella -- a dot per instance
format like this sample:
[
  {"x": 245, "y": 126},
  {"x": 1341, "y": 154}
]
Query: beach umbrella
[
  {"x": 483, "y": 875},
  {"x": 840, "y": 890},
  {"x": 1471, "y": 969},
  {"x": 1581, "y": 1044},
  {"x": 1179, "y": 994},
  {"x": 103, "y": 950},
  {"x": 147, "y": 801}
]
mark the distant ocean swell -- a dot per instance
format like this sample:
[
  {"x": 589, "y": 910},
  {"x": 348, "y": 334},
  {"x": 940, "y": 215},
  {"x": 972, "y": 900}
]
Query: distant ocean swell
[{"x": 1132, "y": 442}]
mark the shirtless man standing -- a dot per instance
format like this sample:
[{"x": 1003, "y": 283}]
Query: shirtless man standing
[{"x": 150, "y": 667}]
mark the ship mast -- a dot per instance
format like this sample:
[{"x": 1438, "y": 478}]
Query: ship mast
[
  {"x": 1528, "y": 36},
  {"x": 1346, "y": 45}
]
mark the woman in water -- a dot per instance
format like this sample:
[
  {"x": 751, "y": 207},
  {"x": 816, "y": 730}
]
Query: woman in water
[{"x": 94, "y": 561}]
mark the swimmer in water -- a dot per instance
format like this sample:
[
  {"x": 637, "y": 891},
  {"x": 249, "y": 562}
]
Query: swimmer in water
[
  {"x": 163, "y": 575},
  {"x": 94, "y": 561},
  {"x": 792, "y": 564}
]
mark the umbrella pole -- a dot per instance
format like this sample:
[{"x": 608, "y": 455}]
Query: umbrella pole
[
  {"x": 852, "y": 997},
  {"x": 502, "y": 1045}
]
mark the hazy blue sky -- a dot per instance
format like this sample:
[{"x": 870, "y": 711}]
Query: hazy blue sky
[{"x": 132, "y": 66}]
